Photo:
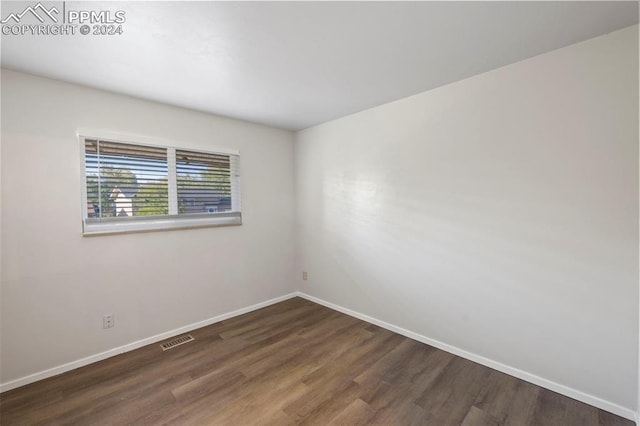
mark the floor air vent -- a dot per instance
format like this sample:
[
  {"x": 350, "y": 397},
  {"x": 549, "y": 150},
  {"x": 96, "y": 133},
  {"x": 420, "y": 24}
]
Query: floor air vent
[{"x": 177, "y": 342}]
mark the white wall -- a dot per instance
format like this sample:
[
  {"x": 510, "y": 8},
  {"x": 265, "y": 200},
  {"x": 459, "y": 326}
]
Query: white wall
[
  {"x": 498, "y": 214},
  {"x": 57, "y": 285}
]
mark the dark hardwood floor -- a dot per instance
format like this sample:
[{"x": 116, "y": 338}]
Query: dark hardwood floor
[{"x": 294, "y": 362}]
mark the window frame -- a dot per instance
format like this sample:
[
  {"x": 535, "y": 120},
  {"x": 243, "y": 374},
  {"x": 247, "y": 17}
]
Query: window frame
[{"x": 121, "y": 225}]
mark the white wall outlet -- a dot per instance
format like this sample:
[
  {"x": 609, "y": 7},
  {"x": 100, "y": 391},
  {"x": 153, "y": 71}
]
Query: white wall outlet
[
  {"x": 305, "y": 275},
  {"x": 107, "y": 321}
]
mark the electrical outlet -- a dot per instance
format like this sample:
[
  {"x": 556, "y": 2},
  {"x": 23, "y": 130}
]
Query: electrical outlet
[
  {"x": 107, "y": 321},
  {"x": 305, "y": 275}
]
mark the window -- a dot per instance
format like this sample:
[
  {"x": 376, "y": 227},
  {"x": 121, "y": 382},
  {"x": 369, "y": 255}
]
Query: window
[
  {"x": 129, "y": 187},
  {"x": 203, "y": 182}
]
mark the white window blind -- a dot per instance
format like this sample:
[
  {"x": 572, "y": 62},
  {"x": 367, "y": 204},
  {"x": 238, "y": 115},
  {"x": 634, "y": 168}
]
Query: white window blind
[
  {"x": 131, "y": 187},
  {"x": 204, "y": 182}
]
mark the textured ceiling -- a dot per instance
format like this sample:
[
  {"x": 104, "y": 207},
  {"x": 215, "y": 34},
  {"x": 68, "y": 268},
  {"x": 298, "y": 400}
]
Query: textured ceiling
[{"x": 296, "y": 64}]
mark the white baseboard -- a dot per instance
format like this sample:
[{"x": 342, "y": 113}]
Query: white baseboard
[
  {"x": 532, "y": 378},
  {"x": 135, "y": 345},
  {"x": 548, "y": 384}
]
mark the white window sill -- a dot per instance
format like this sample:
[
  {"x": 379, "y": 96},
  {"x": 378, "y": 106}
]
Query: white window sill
[{"x": 95, "y": 227}]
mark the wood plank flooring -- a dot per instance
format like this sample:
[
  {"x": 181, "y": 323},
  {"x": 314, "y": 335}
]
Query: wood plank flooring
[{"x": 292, "y": 363}]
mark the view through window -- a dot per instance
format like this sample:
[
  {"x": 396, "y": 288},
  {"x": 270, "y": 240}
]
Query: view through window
[{"x": 125, "y": 181}]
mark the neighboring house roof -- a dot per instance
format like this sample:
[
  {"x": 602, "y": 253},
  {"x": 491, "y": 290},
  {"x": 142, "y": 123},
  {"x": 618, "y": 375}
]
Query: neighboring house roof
[{"x": 200, "y": 193}]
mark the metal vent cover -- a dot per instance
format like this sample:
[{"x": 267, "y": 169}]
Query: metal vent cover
[{"x": 177, "y": 342}]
